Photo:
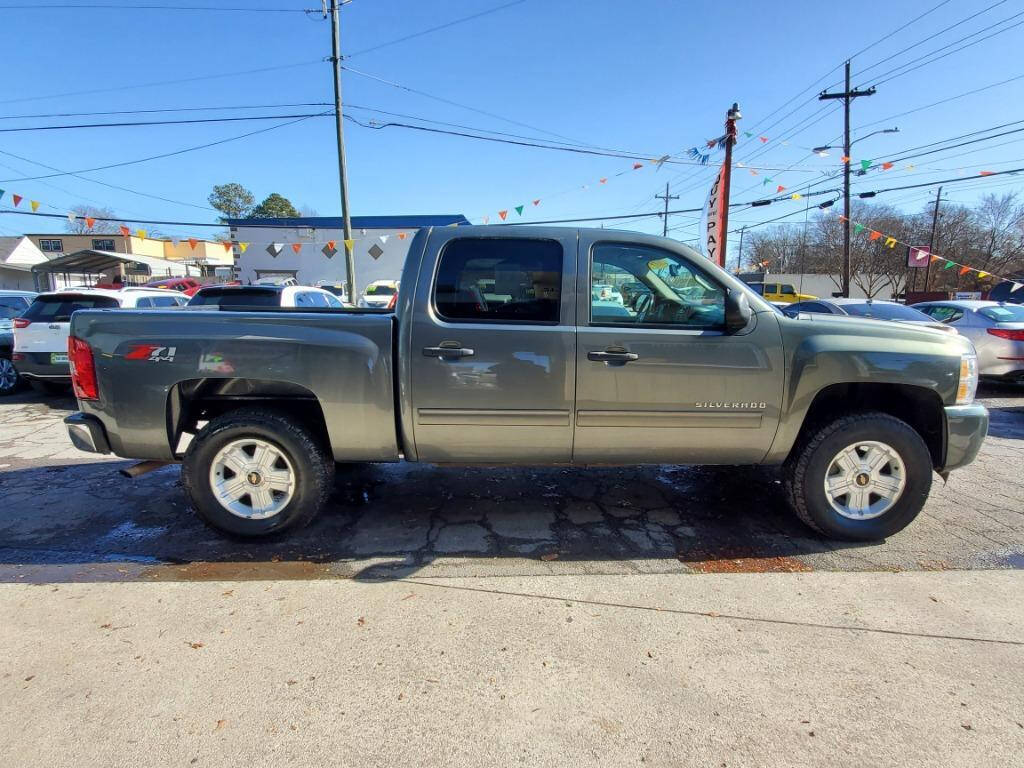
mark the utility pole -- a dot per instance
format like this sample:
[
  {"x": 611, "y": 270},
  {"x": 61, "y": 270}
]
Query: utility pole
[
  {"x": 730, "y": 138},
  {"x": 350, "y": 264},
  {"x": 847, "y": 95},
  {"x": 666, "y": 197},
  {"x": 931, "y": 240},
  {"x": 739, "y": 256}
]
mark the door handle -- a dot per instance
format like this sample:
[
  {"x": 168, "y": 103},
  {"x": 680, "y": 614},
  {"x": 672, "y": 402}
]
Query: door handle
[
  {"x": 446, "y": 351},
  {"x": 613, "y": 356}
]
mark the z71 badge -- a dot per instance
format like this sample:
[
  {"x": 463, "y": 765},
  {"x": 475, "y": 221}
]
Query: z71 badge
[{"x": 152, "y": 353}]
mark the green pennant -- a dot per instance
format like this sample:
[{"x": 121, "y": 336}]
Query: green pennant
[
  {"x": 865, "y": 164},
  {"x": 748, "y": 134},
  {"x": 949, "y": 265},
  {"x": 1, "y": 193},
  {"x": 766, "y": 181},
  {"x": 857, "y": 228},
  {"x": 519, "y": 210}
]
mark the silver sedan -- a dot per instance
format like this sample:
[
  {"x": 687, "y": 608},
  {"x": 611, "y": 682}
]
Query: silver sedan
[{"x": 995, "y": 329}]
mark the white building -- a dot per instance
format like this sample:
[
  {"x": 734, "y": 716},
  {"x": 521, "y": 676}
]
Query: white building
[
  {"x": 17, "y": 256},
  {"x": 381, "y": 244}
]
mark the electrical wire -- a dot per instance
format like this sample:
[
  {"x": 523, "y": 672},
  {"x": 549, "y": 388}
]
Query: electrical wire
[
  {"x": 134, "y": 124},
  {"x": 112, "y": 6},
  {"x": 164, "y": 110}
]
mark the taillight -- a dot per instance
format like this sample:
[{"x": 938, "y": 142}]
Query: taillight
[
  {"x": 1014, "y": 334},
  {"x": 21, "y": 322},
  {"x": 83, "y": 369},
  {"x": 394, "y": 301}
]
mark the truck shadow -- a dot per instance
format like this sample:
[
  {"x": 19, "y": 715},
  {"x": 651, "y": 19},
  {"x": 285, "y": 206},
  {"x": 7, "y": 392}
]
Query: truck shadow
[{"x": 85, "y": 522}]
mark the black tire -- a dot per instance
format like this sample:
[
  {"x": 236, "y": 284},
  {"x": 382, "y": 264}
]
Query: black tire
[
  {"x": 51, "y": 388},
  {"x": 806, "y": 470},
  {"x": 8, "y": 386},
  {"x": 312, "y": 465}
]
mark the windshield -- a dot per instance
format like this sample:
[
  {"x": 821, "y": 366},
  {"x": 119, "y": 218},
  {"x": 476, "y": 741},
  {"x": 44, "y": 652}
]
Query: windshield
[
  {"x": 58, "y": 308},
  {"x": 886, "y": 311},
  {"x": 236, "y": 299},
  {"x": 380, "y": 290},
  {"x": 1011, "y": 313}
]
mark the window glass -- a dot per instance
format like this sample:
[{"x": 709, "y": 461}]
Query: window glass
[
  {"x": 166, "y": 301},
  {"x": 334, "y": 302},
  {"x": 885, "y": 310},
  {"x": 103, "y": 245},
  {"x": 316, "y": 299},
  {"x": 236, "y": 298},
  {"x": 812, "y": 306},
  {"x": 787, "y": 288},
  {"x": 1009, "y": 313},
  {"x": 678, "y": 293},
  {"x": 12, "y": 306},
  {"x": 485, "y": 279},
  {"x": 944, "y": 314},
  {"x": 376, "y": 289},
  {"x": 58, "y": 309},
  {"x": 51, "y": 245},
  {"x": 144, "y": 302}
]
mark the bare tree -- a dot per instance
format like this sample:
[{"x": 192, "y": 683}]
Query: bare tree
[{"x": 81, "y": 227}]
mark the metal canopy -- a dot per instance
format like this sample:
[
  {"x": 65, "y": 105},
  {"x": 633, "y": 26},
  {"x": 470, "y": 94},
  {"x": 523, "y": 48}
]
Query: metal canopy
[{"x": 91, "y": 262}]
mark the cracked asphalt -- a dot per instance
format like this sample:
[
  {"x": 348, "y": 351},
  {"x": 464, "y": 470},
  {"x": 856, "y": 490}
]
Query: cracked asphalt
[{"x": 70, "y": 516}]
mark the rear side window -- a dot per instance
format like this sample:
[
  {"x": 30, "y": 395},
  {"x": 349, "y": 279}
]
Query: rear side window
[
  {"x": 886, "y": 311},
  {"x": 1009, "y": 313},
  {"x": 12, "y": 306},
  {"x": 58, "y": 309},
  {"x": 144, "y": 303},
  {"x": 236, "y": 299},
  {"x": 166, "y": 301},
  {"x": 944, "y": 314},
  {"x": 492, "y": 279}
]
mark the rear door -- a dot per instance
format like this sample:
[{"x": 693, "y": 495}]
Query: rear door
[
  {"x": 492, "y": 353},
  {"x": 668, "y": 384}
]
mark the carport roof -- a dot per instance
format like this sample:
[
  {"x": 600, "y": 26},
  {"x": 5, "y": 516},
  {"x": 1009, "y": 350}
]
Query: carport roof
[{"x": 93, "y": 262}]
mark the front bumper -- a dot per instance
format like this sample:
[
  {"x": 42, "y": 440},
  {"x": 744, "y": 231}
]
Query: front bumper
[
  {"x": 87, "y": 433},
  {"x": 966, "y": 427}
]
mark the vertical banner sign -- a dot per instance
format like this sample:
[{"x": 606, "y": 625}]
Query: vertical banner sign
[
  {"x": 712, "y": 222},
  {"x": 917, "y": 257}
]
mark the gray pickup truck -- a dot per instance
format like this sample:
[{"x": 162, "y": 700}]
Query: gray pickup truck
[{"x": 513, "y": 345}]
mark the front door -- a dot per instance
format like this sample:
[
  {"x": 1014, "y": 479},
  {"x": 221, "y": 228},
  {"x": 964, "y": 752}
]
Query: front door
[
  {"x": 658, "y": 378},
  {"x": 493, "y": 357}
]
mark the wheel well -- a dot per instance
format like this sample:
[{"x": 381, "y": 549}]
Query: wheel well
[
  {"x": 196, "y": 401},
  {"x": 919, "y": 407}
]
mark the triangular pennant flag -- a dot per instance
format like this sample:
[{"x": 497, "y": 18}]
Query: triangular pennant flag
[
  {"x": 911, "y": 167},
  {"x": 34, "y": 204},
  {"x": 603, "y": 181},
  {"x": 986, "y": 173},
  {"x": 536, "y": 202},
  {"x": 858, "y": 228},
  {"x": 764, "y": 139},
  {"x": 227, "y": 245},
  {"x": 964, "y": 270},
  {"x": 933, "y": 257},
  {"x": 890, "y": 242},
  {"x": 637, "y": 165},
  {"x": 192, "y": 243},
  {"x": 349, "y": 245},
  {"x": 875, "y": 235},
  {"x": 487, "y": 220},
  {"x": 519, "y": 210},
  {"x": 141, "y": 234},
  {"x": 748, "y": 134},
  {"x": 949, "y": 265},
  {"x": 243, "y": 247},
  {"x": 1, "y": 193},
  {"x": 296, "y": 247},
  {"x": 16, "y": 198},
  {"x": 125, "y": 231},
  {"x": 982, "y": 274},
  {"x": 865, "y": 164},
  {"x": 844, "y": 159},
  {"x": 780, "y": 188},
  {"x": 1016, "y": 287},
  {"x": 332, "y": 244},
  {"x": 401, "y": 235},
  {"x": 502, "y": 215},
  {"x": 274, "y": 249},
  {"x": 175, "y": 241},
  {"x": 89, "y": 221},
  {"x": 753, "y": 172},
  {"x": 329, "y": 250},
  {"x": 886, "y": 166},
  {"x": 795, "y": 196},
  {"x": 384, "y": 238},
  {"x": 841, "y": 217},
  {"x": 72, "y": 217}
]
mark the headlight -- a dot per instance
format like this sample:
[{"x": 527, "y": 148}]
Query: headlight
[{"x": 968, "y": 379}]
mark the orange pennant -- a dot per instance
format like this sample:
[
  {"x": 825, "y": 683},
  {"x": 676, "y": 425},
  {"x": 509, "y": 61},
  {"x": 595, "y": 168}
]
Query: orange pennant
[
  {"x": 886, "y": 166},
  {"x": 401, "y": 235},
  {"x": 331, "y": 244},
  {"x": 89, "y": 221},
  {"x": 536, "y": 202},
  {"x": 964, "y": 270},
  {"x": 227, "y": 245},
  {"x": 603, "y": 181},
  {"x": 780, "y": 188},
  {"x": 296, "y": 247},
  {"x": 192, "y": 242},
  {"x": 986, "y": 173},
  {"x": 125, "y": 231},
  {"x": 764, "y": 139},
  {"x": 502, "y": 214},
  {"x": 844, "y": 159},
  {"x": 875, "y": 235},
  {"x": 637, "y": 165},
  {"x": 17, "y": 199},
  {"x": 841, "y": 217}
]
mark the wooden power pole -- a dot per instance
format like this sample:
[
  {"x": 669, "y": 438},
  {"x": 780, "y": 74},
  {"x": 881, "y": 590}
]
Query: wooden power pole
[
  {"x": 350, "y": 264},
  {"x": 666, "y": 197}
]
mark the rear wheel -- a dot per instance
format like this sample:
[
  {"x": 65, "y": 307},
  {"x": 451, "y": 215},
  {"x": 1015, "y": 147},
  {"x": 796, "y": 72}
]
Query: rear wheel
[
  {"x": 860, "y": 478},
  {"x": 255, "y": 473},
  {"x": 9, "y": 381}
]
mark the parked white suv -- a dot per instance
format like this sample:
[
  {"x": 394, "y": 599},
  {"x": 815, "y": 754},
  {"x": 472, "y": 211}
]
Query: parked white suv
[
  {"x": 263, "y": 295},
  {"x": 41, "y": 333}
]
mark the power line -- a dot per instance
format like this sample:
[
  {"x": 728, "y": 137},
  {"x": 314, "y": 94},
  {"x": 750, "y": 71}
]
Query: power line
[
  {"x": 137, "y": 123},
  {"x": 161, "y": 156},
  {"x": 164, "y": 110},
  {"x": 111, "y": 6},
  {"x": 431, "y": 30}
]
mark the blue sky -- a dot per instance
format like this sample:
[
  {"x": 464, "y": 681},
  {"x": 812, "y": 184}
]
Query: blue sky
[{"x": 645, "y": 76}]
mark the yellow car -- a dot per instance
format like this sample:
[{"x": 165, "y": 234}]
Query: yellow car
[{"x": 781, "y": 292}]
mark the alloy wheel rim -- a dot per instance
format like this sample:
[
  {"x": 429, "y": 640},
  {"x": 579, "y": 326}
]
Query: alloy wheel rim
[
  {"x": 8, "y": 374},
  {"x": 252, "y": 478},
  {"x": 865, "y": 480}
]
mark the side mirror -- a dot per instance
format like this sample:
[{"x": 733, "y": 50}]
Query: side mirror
[{"x": 737, "y": 311}]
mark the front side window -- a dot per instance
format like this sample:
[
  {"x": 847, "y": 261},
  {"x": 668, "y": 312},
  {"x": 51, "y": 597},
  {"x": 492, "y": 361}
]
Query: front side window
[
  {"x": 499, "y": 280},
  {"x": 678, "y": 294},
  {"x": 788, "y": 289},
  {"x": 144, "y": 303},
  {"x": 103, "y": 244}
]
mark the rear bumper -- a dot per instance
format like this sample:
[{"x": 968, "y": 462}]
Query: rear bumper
[
  {"x": 87, "y": 433},
  {"x": 37, "y": 365},
  {"x": 966, "y": 427}
]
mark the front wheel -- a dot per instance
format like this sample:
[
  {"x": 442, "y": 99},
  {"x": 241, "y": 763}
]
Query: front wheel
[
  {"x": 862, "y": 477},
  {"x": 255, "y": 473}
]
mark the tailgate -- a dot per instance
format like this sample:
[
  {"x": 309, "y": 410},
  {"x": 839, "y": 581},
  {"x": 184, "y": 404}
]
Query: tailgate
[{"x": 146, "y": 360}]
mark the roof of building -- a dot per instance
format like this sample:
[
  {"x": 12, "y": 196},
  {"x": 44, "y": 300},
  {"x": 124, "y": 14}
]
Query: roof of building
[
  {"x": 358, "y": 222},
  {"x": 8, "y": 245},
  {"x": 94, "y": 262}
]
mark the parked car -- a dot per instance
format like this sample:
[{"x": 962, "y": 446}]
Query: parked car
[
  {"x": 380, "y": 294},
  {"x": 185, "y": 285},
  {"x": 876, "y": 309},
  {"x": 253, "y": 296},
  {"x": 338, "y": 289},
  {"x": 996, "y": 330},
  {"x": 41, "y": 333},
  {"x": 12, "y": 304},
  {"x": 606, "y": 292},
  {"x": 783, "y": 292},
  {"x": 858, "y": 413}
]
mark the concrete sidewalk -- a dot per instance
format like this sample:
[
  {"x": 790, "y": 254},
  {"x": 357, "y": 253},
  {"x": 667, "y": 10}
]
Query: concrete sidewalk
[{"x": 826, "y": 669}]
